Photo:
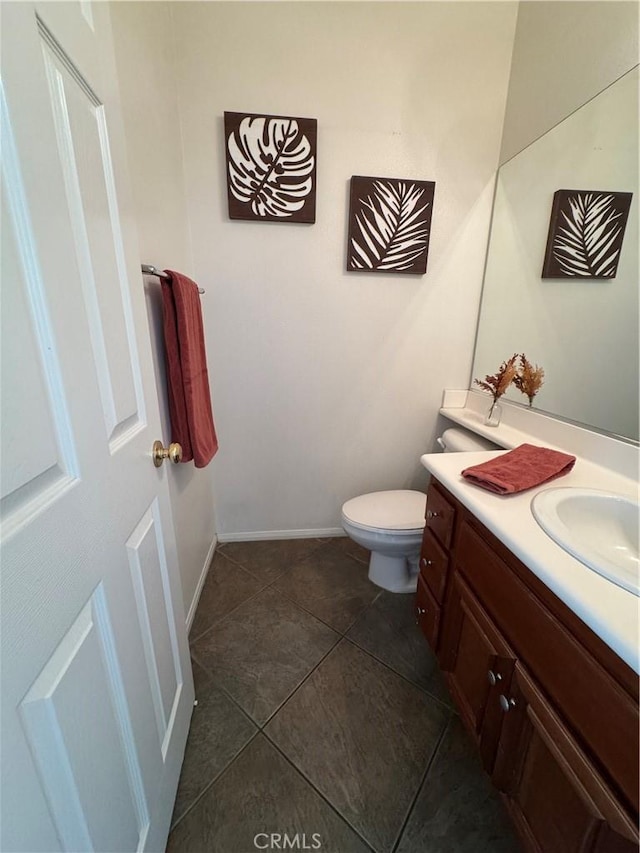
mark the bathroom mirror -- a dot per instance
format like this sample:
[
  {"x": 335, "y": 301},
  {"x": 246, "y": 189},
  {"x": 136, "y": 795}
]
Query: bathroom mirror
[{"x": 583, "y": 332}]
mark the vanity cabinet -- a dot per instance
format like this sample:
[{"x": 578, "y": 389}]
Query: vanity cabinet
[{"x": 553, "y": 711}]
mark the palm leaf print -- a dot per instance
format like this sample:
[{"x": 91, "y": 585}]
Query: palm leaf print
[
  {"x": 390, "y": 226},
  {"x": 270, "y": 165},
  {"x": 588, "y": 239}
]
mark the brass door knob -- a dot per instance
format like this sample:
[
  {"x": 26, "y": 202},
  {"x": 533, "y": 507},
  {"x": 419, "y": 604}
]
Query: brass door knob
[{"x": 160, "y": 453}]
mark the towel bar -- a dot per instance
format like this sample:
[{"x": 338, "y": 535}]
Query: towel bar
[{"x": 149, "y": 269}]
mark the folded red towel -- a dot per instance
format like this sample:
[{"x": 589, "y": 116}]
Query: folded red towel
[
  {"x": 187, "y": 378},
  {"x": 523, "y": 468}
]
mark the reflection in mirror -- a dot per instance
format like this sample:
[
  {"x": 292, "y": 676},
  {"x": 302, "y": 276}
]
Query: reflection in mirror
[{"x": 584, "y": 332}]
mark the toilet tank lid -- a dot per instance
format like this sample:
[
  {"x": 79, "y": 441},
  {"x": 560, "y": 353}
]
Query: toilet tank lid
[
  {"x": 456, "y": 440},
  {"x": 395, "y": 510}
]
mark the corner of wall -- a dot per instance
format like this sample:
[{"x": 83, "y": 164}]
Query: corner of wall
[{"x": 501, "y": 155}]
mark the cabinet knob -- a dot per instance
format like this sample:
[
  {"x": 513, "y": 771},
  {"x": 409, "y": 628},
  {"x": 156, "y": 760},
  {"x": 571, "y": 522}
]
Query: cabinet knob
[
  {"x": 493, "y": 677},
  {"x": 432, "y": 513},
  {"x": 506, "y": 704},
  {"x": 424, "y": 562},
  {"x": 420, "y": 611}
]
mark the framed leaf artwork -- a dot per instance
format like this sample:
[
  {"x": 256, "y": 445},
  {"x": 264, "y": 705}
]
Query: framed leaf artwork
[
  {"x": 585, "y": 234},
  {"x": 271, "y": 167},
  {"x": 389, "y": 225}
]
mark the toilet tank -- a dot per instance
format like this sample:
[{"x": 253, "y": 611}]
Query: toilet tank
[{"x": 455, "y": 440}]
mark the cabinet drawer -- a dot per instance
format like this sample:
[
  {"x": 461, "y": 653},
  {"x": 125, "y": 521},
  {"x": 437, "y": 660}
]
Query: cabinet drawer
[
  {"x": 427, "y": 613},
  {"x": 569, "y": 675},
  {"x": 440, "y": 516},
  {"x": 433, "y": 565}
]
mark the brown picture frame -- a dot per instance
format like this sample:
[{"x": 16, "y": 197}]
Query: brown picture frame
[
  {"x": 586, "y": 231},
  {"x": 389, "y": 225},
  {"x": 271, "y": 164}
]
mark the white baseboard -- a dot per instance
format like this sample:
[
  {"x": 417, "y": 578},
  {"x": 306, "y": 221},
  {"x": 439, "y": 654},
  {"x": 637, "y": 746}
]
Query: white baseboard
[
  {"x": 203, "y": 576},
  {"x": 256, "y": 535}
]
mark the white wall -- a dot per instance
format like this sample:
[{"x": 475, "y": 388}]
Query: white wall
[
  {"x": 327, "y": 384},
  {"x": 564, "y": 53},
  {"x": 145, "y": 54}
]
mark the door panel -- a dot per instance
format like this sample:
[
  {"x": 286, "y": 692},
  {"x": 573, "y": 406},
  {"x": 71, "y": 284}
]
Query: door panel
[
  {"x": 82, "y": 767},
  {"x": 36, "y": 432},
  {"x": 97, "y": 687},
  {"x": 149, "y": 570},
  {"x": 83, "y": 144}
]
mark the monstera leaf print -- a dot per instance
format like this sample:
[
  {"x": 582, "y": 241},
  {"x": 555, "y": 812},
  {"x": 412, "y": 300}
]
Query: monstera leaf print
[
  {"x": 587, "y": 230},
  {"x": 270, "y": 166},
  {"x": 389, "y": 224}
]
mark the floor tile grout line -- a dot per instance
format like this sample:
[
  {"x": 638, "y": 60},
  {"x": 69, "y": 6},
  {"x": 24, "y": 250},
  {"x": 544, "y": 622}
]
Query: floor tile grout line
[
  {"x": 212, "y": 681},
  {"x": 214, "y": 780},
  {"x": 267, "y": 585},
  {"x": 422, "y": 782},
  {"x": 262, "y": 541},
  {"x": 238, "y": 563},
  {"x": 273, "y": 582},
  {"x": 291, "y": 600},
  {"x": 341, "y": 636},
  {"x": 324, "y": 622},
  {"x": 261, "y": 726},
  {"x": 319, "y": 792},
  {"x": 226, "y": 615},
  {"x": 306, "y": 610},
  {"x": 298, "y": 686},
  {"x": 261, "y": 729},
  {"x": 400, "y": 674}
]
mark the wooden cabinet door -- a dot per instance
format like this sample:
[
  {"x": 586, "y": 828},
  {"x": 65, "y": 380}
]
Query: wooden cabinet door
[
  {"x": 557, "y": 799},
  {"x": 440, "y": 516},
  {"x": 434, "y": 563},
  {"x": 478, "y": 664},
  {"x": 427, "y": 613},
  {"x": 594, "y": 704}
]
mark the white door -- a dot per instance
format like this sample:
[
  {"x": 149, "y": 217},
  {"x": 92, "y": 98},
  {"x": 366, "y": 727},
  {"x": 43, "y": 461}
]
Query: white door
[{"x": 97, "y": 689}]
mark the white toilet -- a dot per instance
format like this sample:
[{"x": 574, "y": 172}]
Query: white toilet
[{"x": 390, "y": 524}]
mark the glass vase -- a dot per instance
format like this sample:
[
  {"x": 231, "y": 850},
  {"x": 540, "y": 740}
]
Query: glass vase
[{"x": 494, "y": 413}]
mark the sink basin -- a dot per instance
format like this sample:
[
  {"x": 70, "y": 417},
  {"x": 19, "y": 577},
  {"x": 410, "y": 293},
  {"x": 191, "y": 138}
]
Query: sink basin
[{"x": 598, "y": 528}]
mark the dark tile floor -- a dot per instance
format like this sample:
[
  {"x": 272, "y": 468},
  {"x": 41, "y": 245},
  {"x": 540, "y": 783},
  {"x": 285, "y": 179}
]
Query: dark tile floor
[{"x": 321, "y": 712}]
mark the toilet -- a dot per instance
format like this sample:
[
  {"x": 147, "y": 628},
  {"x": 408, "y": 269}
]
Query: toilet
[{"x": 390, "y": 523}]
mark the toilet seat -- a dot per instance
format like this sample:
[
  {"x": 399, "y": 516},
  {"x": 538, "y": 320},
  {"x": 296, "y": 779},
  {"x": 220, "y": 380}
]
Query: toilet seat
[{"x": 401, "y": 510}]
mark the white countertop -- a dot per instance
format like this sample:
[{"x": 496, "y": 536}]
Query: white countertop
[{"x": 610, "y": 611}]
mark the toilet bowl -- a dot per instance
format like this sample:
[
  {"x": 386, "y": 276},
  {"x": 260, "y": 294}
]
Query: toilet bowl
[{"x": 390, "y": 524}]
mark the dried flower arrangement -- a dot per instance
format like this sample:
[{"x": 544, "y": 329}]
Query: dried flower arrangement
[
  {"x": 497, "y": 383},
  {"x": 528, "y": 378}
]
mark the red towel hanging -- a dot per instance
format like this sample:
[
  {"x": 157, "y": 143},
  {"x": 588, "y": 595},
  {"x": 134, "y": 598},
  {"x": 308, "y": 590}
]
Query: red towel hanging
[{"x": 187, "y": 377}]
